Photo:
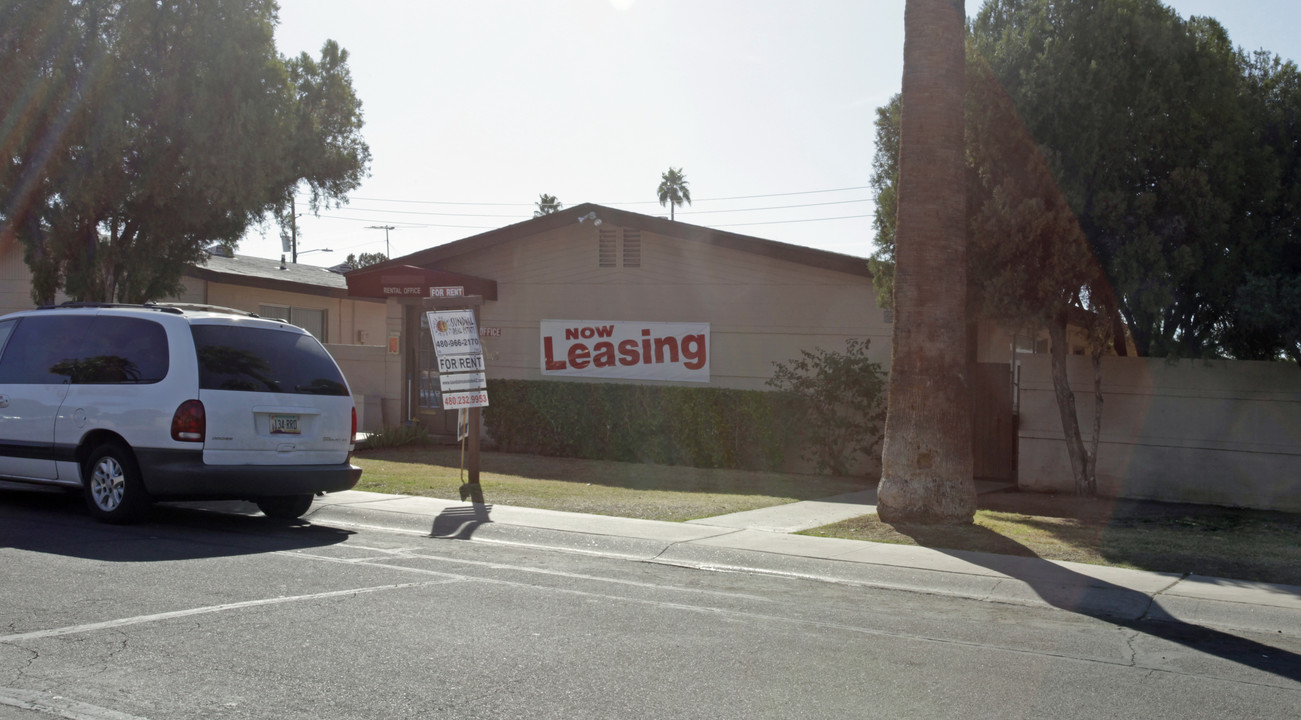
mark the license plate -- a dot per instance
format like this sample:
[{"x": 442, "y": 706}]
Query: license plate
[{"x": 284, "y": 425}]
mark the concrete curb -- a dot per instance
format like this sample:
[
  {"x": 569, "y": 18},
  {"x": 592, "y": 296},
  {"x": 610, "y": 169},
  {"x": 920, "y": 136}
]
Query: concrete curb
[{"x": 1113, "y": 593}]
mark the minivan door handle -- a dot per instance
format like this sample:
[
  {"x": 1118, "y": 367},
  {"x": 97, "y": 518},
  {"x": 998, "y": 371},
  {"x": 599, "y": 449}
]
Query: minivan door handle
[{"x": 4, "y": 401}]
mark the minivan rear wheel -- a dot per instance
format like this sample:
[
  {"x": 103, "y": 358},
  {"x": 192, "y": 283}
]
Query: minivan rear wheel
[
  {"x": 113, "y": 489},
  {"x": 285, "y": 507}
]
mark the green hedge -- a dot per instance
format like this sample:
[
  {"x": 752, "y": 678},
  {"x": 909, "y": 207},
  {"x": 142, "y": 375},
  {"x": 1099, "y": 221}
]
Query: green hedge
[{"x": 668, "y": 425}]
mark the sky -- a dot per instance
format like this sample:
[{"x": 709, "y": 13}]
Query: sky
[{"x": 474, "y": 108}]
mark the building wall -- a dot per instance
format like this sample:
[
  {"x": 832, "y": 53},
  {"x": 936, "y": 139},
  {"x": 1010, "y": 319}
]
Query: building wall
[
  {"x": 1214, "y": 432},
  {"x": 15, "y": 278},
  {"x": 348, "y": 321},
  {"x": 760, "y": 309},
  {"x": 373, "y": 375},
  {"x": 193, "y": 290}
]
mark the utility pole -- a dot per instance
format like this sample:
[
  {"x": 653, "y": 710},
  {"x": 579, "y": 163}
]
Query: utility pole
[
  {"x": 387, "y": 255},
  {"x": 293, "y": 228}
]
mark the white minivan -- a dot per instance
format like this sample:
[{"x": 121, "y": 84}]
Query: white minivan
[{"x": 136, "y": 403}]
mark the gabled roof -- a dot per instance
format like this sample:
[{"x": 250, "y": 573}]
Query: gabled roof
[
  {"x": 637, "y": 221},
  {"x": 249, "y": 271}
]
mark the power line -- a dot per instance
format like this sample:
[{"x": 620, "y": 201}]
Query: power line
[
  {"x": 776, "y": 207},
  {"x": 685, "y": 212},
  {"x": 495, "y": 227},
  {"x": 783, "y": 222},
  {"x": 634, "y": 202},
  {"x": 409, "y": 225},
  {"x": 802, "y": 192}
]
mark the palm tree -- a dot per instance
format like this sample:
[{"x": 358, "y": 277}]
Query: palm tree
[
  {"x": 926, "y": 461},
  {"x": 673, "y": 189},
  {"x": 547, "y": 204}
]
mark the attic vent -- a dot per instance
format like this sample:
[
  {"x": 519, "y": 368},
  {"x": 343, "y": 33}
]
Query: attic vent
[
  {"x": 607, "y": 248},
  {"x": 631, "y": 248}
]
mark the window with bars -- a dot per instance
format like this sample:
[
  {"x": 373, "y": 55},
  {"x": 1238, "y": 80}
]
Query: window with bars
[
  {"x": 615, "y": 244},
  {"x": 309, "y": 319}
]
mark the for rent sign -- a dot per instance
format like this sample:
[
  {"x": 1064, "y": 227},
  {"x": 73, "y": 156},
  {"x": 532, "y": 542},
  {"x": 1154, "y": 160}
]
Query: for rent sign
[
  {"x": 457, "y": 347},
  {"x": 626, "y": 350}
]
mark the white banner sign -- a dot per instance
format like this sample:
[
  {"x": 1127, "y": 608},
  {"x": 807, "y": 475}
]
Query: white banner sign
[
  {"x": 626, "y": 350},
  {"x": 455, "y": 332},
  {"x": 460, "y": 382}
]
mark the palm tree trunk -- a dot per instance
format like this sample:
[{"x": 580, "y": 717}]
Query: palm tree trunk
[{"x": 926, "y": 462}]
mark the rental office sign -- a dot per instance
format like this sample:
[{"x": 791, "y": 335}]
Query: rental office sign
[{"x": 625, "y": 350}]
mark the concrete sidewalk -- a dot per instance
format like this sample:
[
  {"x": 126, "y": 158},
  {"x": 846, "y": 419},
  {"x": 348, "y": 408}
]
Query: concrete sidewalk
[{"x": 759, "y": 541}]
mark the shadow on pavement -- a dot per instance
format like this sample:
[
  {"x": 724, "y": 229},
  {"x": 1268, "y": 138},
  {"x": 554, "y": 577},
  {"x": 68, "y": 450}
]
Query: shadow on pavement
[
  {"x": 459, "y": 523},
  {"x": 57, "y": 523},
  {"x": 1084, "y": 595}
]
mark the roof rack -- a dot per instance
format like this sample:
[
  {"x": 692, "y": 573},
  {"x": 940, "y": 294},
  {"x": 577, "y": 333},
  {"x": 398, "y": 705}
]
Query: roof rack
[
  {"x": 175, "y": 308},
  {"x": 72, "y": 305},
  {"x": 201, "y": 307}
]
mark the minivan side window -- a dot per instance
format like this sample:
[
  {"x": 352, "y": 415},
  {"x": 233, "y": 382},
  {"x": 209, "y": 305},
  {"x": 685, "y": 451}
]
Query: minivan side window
[
  {"x": 120, "y": 350},
  {"x": 42, "y": 350},
  {"x": 264, "y": 360}
]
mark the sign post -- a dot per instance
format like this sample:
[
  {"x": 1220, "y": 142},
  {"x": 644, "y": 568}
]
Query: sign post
[{"x": 454, "y": 324}]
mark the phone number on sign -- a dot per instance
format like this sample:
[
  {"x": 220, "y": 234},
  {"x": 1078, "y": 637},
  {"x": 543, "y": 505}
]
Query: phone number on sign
[
  {"x": 464, "y": 342},
  {"x": 470, "y": 399}
]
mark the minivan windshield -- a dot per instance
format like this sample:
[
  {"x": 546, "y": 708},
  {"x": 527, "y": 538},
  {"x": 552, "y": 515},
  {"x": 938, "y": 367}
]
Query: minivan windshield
[{"x": 252, "y": 359}]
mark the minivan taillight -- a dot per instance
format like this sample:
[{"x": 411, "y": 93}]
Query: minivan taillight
[
  {"x": 353, "y": 436},
  {"x": 188, "y": 422}
]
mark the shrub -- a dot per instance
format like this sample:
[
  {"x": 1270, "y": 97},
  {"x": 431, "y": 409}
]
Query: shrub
[
  {"x": 669, "y": 425},
  {"x": 839, "y": 399},
  {"x": 390, "y": 437}
]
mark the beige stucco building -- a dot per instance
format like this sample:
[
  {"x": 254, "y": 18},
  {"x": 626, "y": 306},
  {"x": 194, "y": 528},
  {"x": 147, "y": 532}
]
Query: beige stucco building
[
  {"x": 761, "y": 301},
  {"x": 754, "y": 301}
]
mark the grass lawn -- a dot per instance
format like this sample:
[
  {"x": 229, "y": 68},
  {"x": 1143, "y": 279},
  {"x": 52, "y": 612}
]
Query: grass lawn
[
  {"x": 1165, "y": 537},
  {"x": 1205, "y": 540},
  {"x": 653, "y": 492}
]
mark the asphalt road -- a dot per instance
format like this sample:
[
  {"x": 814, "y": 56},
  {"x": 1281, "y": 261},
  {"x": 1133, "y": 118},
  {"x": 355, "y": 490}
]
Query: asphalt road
[{"x": 199, "y": 615}]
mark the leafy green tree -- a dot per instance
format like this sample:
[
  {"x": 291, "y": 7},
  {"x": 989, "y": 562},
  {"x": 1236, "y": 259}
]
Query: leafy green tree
[
  {"x": 1031, "y": 267},
  {"x": 840, "y": 401},
  {"x": 136, "y": 133},
  {"x": 547, "y": 204},
  {"x": 1150, "y": 144},
  {"x": 1212, "y": 259},
  {"x": 673, "y": 189},
  {"x": 365, "y": 260},
  {"x": 885, "y": 184},
  {"x": 926, "y": 459},
  {"x": 1266, "y": 309}
]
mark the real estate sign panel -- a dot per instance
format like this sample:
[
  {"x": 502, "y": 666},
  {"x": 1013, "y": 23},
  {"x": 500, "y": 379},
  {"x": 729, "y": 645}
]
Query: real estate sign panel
[
  {"x": 456, "y": 345},
  {"x": 625, "y": 350}
]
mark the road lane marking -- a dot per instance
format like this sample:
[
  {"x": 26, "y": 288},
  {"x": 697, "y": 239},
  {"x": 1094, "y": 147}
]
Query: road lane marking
[
  {"x": 155, "y": 617},
  {"x": 412, "y": 554},
  {"x": 48, "y": 704}
]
